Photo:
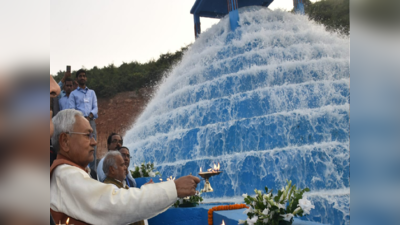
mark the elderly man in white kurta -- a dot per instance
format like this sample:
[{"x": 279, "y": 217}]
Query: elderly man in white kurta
[{"x": 74, "y": 195}]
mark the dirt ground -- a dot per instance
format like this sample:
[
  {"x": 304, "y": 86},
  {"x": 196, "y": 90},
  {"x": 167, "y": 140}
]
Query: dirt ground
[{"x": 117, "y": 114}]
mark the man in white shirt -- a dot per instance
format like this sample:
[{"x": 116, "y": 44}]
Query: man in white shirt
[
  {"x": 74, "y": 195},
  {"x": 114, "y": 143},
  {"x": 116, "y": 171}
]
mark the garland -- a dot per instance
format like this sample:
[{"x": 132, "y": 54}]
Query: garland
[{"x": 223, "y": 207}]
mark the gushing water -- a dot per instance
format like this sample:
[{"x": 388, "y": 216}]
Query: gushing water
[{"x": 269, "y": 101}]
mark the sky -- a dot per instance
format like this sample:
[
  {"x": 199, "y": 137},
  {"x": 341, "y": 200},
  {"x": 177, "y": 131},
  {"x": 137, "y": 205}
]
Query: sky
[{"x": 91, "y": 33}]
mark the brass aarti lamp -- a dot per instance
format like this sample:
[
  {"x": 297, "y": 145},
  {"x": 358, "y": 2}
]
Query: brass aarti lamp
[{"x": 206, "y": 175}]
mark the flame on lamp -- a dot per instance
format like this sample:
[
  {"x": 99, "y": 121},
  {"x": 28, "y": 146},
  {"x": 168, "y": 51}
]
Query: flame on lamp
[
  {"x": 67, "y": 222},
  {"x": 223, "y": 223},
  {"x": 214, "y": 169}
]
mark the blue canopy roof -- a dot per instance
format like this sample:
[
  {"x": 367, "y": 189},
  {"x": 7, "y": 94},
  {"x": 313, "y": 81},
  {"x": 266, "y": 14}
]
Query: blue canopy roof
[{"x": 218, "y": 8}]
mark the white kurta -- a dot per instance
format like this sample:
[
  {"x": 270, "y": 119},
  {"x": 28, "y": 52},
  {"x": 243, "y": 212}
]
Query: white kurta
[{"x": 74, "y": 193}]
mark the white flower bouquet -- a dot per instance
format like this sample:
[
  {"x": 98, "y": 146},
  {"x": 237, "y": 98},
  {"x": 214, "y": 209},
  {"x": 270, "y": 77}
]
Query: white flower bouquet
[
  {"x": 191, "y": 201},
  {"x": 267, "y": 209},
  {"x": 145, "y": 170}
]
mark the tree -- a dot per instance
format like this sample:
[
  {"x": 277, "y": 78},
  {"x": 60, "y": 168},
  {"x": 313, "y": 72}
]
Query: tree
[
  {"x": 110, "y": 80},
  {"x": 334, "y": 14}
]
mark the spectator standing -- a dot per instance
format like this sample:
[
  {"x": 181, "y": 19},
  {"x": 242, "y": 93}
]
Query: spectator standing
[
  {"x": 56, "y": 106},
  {"x": 84, "y": 100},
  {"x": 114, "y": 143},
  {"x": 68, "y": 88},
  {"x": 62, "y": 82}
]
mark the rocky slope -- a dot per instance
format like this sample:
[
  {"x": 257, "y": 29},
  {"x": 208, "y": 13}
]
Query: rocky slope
[{"x": 117, "y": 114}]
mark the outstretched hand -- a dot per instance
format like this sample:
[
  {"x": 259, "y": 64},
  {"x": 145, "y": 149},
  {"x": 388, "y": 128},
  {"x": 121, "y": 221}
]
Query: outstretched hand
[
  {"x": 150, "y": 182},
  {"x": 186, "y": 186}
]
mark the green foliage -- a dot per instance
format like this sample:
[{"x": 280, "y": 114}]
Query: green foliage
[
  {"x": 195, "y": 199},
  {"x": 334, "y": 14},
  {"x": 145, "y": 170},
  {"x": 110, "y": 80},
  {"x": 270, "y": 209}
]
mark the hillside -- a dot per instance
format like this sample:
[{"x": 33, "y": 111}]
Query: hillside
[
  {"x": 123, "y": 92},
  {"x": 118, "y": 113}
]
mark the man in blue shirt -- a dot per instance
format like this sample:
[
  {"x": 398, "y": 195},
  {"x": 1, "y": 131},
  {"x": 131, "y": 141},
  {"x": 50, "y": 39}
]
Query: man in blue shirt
[
  {"x": 130, "y": 181},
  {"x": 64, "y": 100},
  {"x": 84, "y": 99}
]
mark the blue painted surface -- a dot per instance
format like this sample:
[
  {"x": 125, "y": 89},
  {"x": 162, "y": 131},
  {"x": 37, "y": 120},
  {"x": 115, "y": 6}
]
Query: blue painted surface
[
  {"x": 233, "y": 14},
  {"x": 197, "y": 26},
  {"x": 299, "y": 7},
  {"x": 142, "y": 180},
  {"x": 230, "y": 217},
  {"x": 234, "y": 19},
  {"x": 199, "y": 216},
  {"x": 270, "y": 102},
  {"x": 218, "y": 8},
  {"x": 181, "y": 216}
]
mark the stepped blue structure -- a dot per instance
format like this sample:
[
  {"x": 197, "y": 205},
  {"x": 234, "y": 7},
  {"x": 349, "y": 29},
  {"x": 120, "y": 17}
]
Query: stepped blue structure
[{"x": 269, "y": 101}]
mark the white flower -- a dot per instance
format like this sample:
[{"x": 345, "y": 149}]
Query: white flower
[
  {"x": 305, "y": 205},
  {"x": 244, "y": 195},
  {"x": 265, "y": 201},
  {"x": 252, "y": 221},
  {"x": 281, "y": 198},
  {"x": 296, "y": 210},
  {"x": 265, "y": 212},
  {"x": 281, "y": 206},
  {"x": 249, "y": 210},
  {"x": 241, "y": 221},
  {"x": 272, "y": 214},
  {"x": 152, "y": 174},
  {"x": 271, "y": 202},
  {"x": 265, "y": 220},
  {"x": 269, "y": 195},
  {"x": 254, "y": 204},
  {"x": 287, "y": 217}
]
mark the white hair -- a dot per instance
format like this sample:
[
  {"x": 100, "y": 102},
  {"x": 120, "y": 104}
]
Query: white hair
[
  {"x": 110, "y": 160},
  {"x": 63, "y": 122}
]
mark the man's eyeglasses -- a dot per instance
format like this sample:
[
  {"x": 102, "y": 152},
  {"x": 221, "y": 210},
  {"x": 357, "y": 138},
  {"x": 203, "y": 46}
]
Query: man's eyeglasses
[
  {"x": 89, "y": 135},
  {"x": 126, "y": 155},
  {"x": 115, "y": 141}
]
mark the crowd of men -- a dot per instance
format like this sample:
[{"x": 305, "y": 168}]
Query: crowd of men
[
  {"x": 76, "y": 95},
  {"x": 107, "y": 194}
]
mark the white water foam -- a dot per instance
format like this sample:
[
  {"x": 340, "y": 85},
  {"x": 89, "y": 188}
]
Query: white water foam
[{"x": 269, "y": 101}]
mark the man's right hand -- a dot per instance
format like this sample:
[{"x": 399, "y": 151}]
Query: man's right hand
[
  {"x": 66, "y": 75},
  {"x": 186, "y": 186}
]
